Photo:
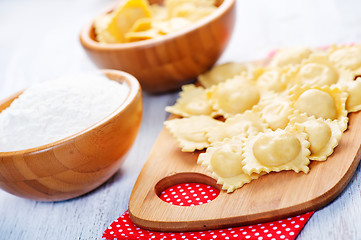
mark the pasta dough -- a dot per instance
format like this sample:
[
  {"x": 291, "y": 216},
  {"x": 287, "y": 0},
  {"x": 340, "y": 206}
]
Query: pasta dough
[
  {"x": 290, "y": 56},
  {"x": 224, "y": 160},
  {"x": 221, "y": 73},
  {"x": 323, "y": 135},
  {"x": 192, "y": 102},
  {"x": 191, "y": 133},
  {"x": 246, "y": 124},
  {"x": 353, "y": 102},
  {"x": 347, "y": 57},
  {"x": 276, "y": 151},
  {"x": 275, "y": 118},
  {"x": 234, "y": 96},
  {"x": 324, "y": 102}
]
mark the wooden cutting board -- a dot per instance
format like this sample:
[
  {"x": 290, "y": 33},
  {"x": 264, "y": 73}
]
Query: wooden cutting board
[{"x": 271, "y": 197}]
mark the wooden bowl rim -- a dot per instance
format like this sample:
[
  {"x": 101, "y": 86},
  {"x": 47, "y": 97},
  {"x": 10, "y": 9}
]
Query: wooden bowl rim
[
  {"x": 134, "y": 90},
  {"x": 90, "y": 43}
]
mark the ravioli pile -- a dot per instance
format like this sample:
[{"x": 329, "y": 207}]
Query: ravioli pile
[
  {"x": 256, "y": 119},
  {"x": 136, "y": 20}
]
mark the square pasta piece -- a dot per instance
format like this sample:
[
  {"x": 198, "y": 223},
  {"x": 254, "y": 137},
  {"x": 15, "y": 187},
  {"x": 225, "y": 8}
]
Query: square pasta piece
[
  {"x": 323, "y": 134},
  {"x": 191, "y": 133},
  {"x": 224, "y": 160},
  {"x": 274, "y": 151},
  {"x": 192, "y": 102}
]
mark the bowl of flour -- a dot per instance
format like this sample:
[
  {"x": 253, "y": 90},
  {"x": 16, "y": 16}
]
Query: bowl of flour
[{"x": 60, "y": 139}]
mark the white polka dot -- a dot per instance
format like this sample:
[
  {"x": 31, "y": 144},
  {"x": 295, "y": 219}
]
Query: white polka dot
[
  {"x": 293, "y": 222},
  {"x": 168, "y": 199},
  {"x": 253, "y": 230},
  {"x": 181, "y": 204},
  {"x": 297, "y": 226},
  {"x": 195, "y": 195},
  {"x": 233, "y": 232},
  {"x": 197, "y": 185},
  {"x": 200, "y": 189},
  {"x": 118, "y": 225},
  {"x": 280, "y": 221},
  {"x": 175, "y": 196},
  {"x": 278, "y": 232},
  {"x": 111, "y": 232},
  {"x": 256, "y": 234},
  {"x": 129, "y": 229},
  {"x": 265, "y": 231},
  {"x": 250, "y": 227},
  {"x": 288, "y": 219},
  {"x": 208, "y": 200},
  {"x": 110, "y": 227},
  {"x": 260, "y": 238},
  {"x": 269, "y": 235},
  {"x": 214, "y": 236},
  {"x": 178, "y": 200},
  {"x": 187, "y": 184},
  {"x": 262, "y": 227},
  {"x": 183, "y": 194},
  {"x": 282, "y": 236},
  {"x": 172, "y": 193},
  {"x": 247, "y": 237},
  {"x": 203, "y": 193},
  {"x": 283, "y": 225},
  {"x": 191, "y": 191},
  {"x": 274, "y": 228},
  {"x": 120, "y": 230},
  {"x": 198, "y": 199},
  {"x": 200, "y": 203},
  {"x": 302, "y": 219},
  {"x": 292, "y": 233},
  {"x": 189, "y": 188},
  {"x": 186, "y": 197},
  {"x": 189, "y": 201},
  {"x": 287, "y": 229},
  {"x": 271, "y": 224},
  {"x": 244, "y": 233},
  {"x": 181, "y": 190},
  {"x": 214, "y": 194},
  {"x": 172, "y": 189}
]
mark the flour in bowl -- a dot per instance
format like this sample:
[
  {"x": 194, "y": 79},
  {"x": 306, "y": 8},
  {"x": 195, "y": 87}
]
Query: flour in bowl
[{"x": 54, "y": 110}]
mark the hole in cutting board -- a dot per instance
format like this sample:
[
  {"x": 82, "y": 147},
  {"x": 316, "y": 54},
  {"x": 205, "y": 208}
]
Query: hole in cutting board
[{"x": 187, "y": 189}]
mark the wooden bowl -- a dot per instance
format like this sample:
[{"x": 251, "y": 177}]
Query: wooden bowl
[
  {"x": 78, "y": 164},
  {"x": 166, "y": 63}
]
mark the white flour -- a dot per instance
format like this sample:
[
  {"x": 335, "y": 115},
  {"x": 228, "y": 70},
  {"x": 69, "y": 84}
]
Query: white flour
[{"x": 57, "y": 109}]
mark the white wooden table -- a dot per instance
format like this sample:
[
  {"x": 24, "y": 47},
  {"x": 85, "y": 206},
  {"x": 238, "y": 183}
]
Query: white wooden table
[{"x": 39, "y": 38}]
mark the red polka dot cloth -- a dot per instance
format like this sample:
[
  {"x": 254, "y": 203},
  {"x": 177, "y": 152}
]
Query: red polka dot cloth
[{"x": 191, "y": 194}]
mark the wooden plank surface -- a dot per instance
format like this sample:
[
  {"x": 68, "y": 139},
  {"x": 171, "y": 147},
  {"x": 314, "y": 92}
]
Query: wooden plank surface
[{"x": 39, "y": 39}]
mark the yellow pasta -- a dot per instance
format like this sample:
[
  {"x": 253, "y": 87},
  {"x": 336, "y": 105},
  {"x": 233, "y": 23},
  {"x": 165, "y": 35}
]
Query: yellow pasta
[
  {"x": 325, "y": 102},
  {"x": 224, "y": 160},
  {"x": 192, "y": 102},
  {"x": 234, "y": 96},
  {"x": 274, "y": 151},
  {"x": 318, "y": 70},
  {"x": 222, "y": 72},
  {"x": 242, "y": 125},
  {"x": 136, "y": 20},
  {"x": 290, "y": 56},
  {"x": 191, "y": 133},
  {"x": 323, "y": 135}
]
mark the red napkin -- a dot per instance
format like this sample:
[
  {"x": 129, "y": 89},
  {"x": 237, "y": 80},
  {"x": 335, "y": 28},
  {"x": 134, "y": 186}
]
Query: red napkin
[{"x": 190, "y": 194}]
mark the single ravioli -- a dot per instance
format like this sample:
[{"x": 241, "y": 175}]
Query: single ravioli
[
  {"x": 241, "y": 125},
  {"x": 353, "y": 102},
  {"x": 223, "y": 72},
  {"x": 274, "y": 151},
  {"x": 323, "y": 135},
  {"x": 224, "y": 160},
  {"x": 192, "y": 102},
  {"x": 325, "y": 102},
  {"x": 191, "y": 133},
  {"x": 234, "y": 96},
  {"x": 272, "y": 79},
  {"x": 348, "y": 57},
  {"x": 318, "y": 70},
  {"x": 290, "y": 56},
  {"x": 275, "y": 110}
]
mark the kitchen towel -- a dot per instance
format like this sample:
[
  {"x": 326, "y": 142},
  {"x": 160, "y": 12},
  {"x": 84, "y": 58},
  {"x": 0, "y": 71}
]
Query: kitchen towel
[{"x": 190, "y": 194}]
